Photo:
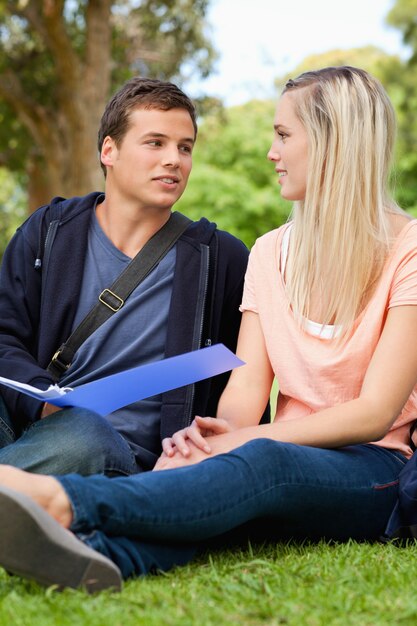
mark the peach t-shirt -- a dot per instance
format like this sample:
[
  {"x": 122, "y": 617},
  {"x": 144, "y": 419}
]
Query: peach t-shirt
[{"x": 315, "y": 373}]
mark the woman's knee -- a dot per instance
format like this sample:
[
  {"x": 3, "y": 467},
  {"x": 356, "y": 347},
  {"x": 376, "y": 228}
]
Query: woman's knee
[{"x": 257, "y": 449}]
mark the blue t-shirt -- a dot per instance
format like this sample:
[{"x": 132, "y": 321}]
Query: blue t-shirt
[{"x": 133, "y": 336}]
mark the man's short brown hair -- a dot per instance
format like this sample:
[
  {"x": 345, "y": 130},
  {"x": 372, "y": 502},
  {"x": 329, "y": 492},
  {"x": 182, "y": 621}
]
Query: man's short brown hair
[{"x": 138, "y": 92}]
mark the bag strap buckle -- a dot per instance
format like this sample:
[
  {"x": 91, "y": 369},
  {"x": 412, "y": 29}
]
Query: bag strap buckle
[
  {"x": 60, "y": 365},
  {"x": 111, "y": 300}
]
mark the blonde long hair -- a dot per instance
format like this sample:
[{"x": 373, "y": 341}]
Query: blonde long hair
[{"x": 341, "y": 233}]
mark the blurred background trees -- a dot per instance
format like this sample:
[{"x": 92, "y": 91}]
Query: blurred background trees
[
  {"x": 60, "y": 60},
  {"x": 403, "y": 85}
]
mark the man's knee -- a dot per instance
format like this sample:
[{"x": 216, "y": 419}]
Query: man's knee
[
  {"x": 257, "y": 448},
  {"x": 89, "y": 443},
  {"x": 71, "y": 441},
  {"x": 75, "y": 433}
]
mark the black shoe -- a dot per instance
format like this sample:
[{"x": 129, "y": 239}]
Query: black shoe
[{"x": 35, "y": 546}]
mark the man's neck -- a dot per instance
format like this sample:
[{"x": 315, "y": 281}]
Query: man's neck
[{"x": 128, "y": 227}]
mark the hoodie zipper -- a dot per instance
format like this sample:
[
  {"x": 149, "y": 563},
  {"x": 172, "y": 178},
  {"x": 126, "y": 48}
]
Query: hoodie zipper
[
  {"x": 199, "y": 324},
  {"x": 49, "y": 239}
]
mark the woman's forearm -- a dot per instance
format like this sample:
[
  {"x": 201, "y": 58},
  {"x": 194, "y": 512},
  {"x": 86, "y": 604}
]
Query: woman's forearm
[{"x": 353, "y": 422}]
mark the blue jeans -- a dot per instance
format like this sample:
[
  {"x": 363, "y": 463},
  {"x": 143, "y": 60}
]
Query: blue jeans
[
  {"x": 71, "y": 440},
  {"x": 159, "y": 519}
]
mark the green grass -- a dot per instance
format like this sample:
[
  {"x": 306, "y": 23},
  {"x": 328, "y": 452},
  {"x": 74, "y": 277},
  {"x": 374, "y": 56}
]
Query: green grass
[{"x": 296, "y": 585}]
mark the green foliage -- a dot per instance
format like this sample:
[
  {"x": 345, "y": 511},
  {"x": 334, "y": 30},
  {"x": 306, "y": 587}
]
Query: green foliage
[
  {"x": 14, "y": 139},
  {"x": 232, "y": 182},
  {"x": 12, "y": 206},
  {"x": 178, "y": 29},
  {"x": 403, "y": 16},
  {"x": 59, "y": 63},
  {"x": 370, "y": 58},
  {"x": 299, "y": 585}
]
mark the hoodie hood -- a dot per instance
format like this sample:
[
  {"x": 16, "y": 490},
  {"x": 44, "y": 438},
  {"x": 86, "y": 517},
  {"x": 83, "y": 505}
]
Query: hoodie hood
[{"x": 62, "y": 210}]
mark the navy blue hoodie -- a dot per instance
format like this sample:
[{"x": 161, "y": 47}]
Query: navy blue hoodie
[{"x": 40, "y": 282}]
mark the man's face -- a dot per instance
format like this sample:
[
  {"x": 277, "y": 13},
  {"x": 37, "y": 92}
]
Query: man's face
[{"x": 151, "y": 166}]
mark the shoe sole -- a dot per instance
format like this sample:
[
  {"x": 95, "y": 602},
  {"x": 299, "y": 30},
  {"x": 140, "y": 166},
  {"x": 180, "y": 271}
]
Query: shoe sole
[{"x": 33, "y": 545}]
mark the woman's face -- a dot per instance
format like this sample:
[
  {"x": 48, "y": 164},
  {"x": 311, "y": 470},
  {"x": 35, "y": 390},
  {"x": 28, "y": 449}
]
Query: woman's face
[{"x": 289, "y": 149}]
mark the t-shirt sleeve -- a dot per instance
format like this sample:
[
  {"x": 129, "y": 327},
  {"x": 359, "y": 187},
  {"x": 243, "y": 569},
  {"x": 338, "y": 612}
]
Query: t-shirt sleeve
[
  {"x": 249, "y": 294},
  {"x": 404, "y": 284}
]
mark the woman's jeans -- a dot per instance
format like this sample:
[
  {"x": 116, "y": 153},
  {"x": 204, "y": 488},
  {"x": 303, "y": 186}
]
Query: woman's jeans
[
  {"x": 155, "y": 520},
  {"x": 71, "y": 440}
]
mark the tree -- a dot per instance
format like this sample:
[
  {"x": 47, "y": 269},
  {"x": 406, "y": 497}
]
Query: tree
[
  {"x": 12, "y": 207},
  {"x": 60, "y": 60},
  {"x": 403, "y": 16},
  {"x": 370, "y": 58}
]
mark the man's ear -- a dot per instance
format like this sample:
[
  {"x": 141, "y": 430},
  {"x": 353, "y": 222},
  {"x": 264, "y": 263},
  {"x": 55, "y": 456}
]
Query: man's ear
[{"x": 108, "y": 151}]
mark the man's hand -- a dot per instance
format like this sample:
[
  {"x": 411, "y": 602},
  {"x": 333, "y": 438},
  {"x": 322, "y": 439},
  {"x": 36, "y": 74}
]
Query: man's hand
[{"x": 48, "y": 409}]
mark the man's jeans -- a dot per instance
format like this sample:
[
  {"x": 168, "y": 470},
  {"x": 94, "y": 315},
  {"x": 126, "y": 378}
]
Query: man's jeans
[
  {"x": 155, "y": 520},
  {"x": 71, "y": 440}
]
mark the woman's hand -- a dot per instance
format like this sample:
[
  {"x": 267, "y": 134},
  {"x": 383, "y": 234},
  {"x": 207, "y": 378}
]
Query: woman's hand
[
  {"x": 196, "y": 433},
  {"x": 178, "y": 460}
]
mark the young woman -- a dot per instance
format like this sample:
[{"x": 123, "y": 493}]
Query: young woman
[{"x": 329, "y": 309}]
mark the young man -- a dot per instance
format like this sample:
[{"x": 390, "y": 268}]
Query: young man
[{"x": 66, "y": 253}]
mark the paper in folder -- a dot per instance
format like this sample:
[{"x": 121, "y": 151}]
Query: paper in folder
[{"x": 110, "y": 393}]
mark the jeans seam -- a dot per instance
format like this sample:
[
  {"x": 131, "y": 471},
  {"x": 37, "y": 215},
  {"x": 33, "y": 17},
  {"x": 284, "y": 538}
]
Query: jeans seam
[
  {"x": 7, "y": 428},
  {"x": 125, "y": 472},
  {"x": 228, "y": 507},
  {"x": 78, "y": 510}
]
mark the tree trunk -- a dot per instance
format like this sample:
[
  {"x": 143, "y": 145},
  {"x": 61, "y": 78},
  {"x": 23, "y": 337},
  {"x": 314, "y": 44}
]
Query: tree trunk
[
  {"x": 39, "y": 188},
  {"x": 55, "y": 67},
  {"x": 46, "y": 182},
  {"x": 66, "y": 162}
]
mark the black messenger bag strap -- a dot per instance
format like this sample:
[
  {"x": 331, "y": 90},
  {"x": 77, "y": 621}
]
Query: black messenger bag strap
[{"x": 113, "y": 298}]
